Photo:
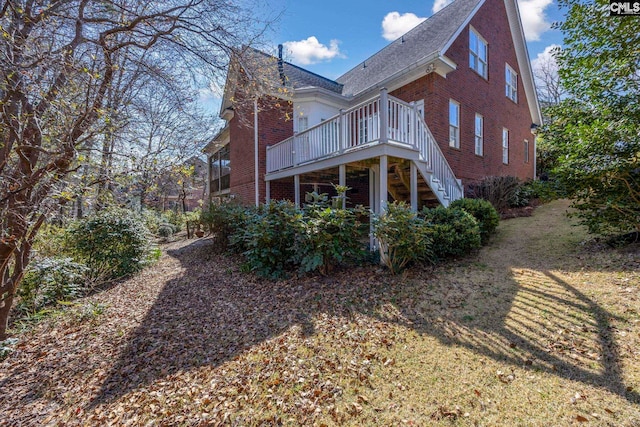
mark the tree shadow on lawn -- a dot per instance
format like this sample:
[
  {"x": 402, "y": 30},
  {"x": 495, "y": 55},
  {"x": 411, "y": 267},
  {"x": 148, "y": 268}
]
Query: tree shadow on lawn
[{"x": 213, "y": 313}]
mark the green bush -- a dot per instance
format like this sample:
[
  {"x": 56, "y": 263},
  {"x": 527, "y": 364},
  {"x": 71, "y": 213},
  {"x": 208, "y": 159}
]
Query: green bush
[
  {"x": 547, "y": 190},
  {"x": 165, "y": 230},
  {"x": 223, "y": 220},
  {"x": 522, "y": 196},
  {"x": 402, "y": 236},
  {"x": 48, "y": 281},
  {"x": 113, "y": 243},
  {"x": 49, "y": 241},
  {"x": 484, "y": 212},
  {"x": 152, "y": 220},
  {"x": 328, "y": 236},
  {"x": 175, "y": 218},
  {"x": 267, "y": 238},
  {"x": 453, "y": 231}
]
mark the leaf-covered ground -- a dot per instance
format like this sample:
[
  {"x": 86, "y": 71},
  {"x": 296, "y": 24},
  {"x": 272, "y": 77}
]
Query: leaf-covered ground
[{"x": 537, "y": 329}]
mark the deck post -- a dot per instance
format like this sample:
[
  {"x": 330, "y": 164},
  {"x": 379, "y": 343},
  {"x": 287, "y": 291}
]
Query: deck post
[
  {"x": 373, "y": 203},
  {"x": 342, "y": 181},
  {"x": 413, "y": 180},
  {"x": 383, "y": 188},
  {"x": 296, "y": 187},
  {"x": 384, "y": 115},
  {"x": 267, "y": 195},
  {"x": 341, "y": 131},
  {"x": 413, "y": 124},
  {"x": 296, "y": 149}
]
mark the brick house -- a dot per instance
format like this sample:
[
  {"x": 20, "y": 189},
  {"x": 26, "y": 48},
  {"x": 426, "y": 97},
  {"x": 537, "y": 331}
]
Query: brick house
[{"x": 448, "y": 103}]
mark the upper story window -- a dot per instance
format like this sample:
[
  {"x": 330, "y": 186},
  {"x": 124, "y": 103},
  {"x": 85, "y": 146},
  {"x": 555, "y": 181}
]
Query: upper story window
[
  {"x": 303, "y": 123},
  {"x": 454, "y": 124},
  {"x": 477, "y": 53},
  {"x": 511, "y": 83},
  {"x": 479, "y": 125}
]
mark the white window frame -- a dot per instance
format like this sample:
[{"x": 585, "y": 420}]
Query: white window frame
[
  {"x": 526, "y": 151},
  {"x": 478, "y": 126},
  {"x": 477, "y": 61},
  {"x": 303, "y": 123},
  {"x": 511, "y": 83},
  {"x": 454, "y": 128},
  {"x": 505, "y": 146}
]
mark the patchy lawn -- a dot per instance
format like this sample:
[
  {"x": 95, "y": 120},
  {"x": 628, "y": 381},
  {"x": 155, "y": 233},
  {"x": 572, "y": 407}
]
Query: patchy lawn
[{"x": 536, "y": 329}]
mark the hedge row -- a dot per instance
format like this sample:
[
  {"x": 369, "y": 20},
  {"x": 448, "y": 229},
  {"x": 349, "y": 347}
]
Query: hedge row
[{"x": 278, "y": 238}]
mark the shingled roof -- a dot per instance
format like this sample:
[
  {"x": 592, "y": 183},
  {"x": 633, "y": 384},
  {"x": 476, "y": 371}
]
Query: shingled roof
[
  {"x": 266, "y": 66},
  {"x": 429, "y": 37}
]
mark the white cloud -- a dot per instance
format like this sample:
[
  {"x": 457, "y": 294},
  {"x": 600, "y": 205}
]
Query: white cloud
[
  {"x": 440, "y": 4},
  {"x": 545, "y": 59},
  {"x": 395, "y": 24},
  {"x": 534, "y": 20},
  {"x": 311, "y": 51}
]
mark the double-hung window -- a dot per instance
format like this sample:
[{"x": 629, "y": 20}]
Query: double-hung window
[
  {"x": 511, "y": 83},
  {"x": 454, "y": 124},
  {"x": 505, "y": 146},
  {"x": 479, "y": 125},
  {"x": 477, "y": 53}
]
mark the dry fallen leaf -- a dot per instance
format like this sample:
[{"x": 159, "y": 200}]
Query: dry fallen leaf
[{"x": 581, "y": 419}]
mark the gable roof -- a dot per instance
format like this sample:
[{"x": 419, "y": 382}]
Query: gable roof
[
  {"x": 431, "y": 36},
  {"x": 295, "y": 77},
  {"x": 423, "y": 44},
  {"x": 265, "y": 69}
]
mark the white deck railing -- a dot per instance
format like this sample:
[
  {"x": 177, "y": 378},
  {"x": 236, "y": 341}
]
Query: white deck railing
[{"x": 378, "y": 120}]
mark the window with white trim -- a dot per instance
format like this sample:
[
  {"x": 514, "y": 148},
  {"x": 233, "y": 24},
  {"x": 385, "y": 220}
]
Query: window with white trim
[
  {"x": 479, "y": 131},
  {"x": 303, "y": 123},
  {"x": 526, "y": 151},
  {"x": 477, "y": 53},
  {"x": 505, "y": 146},
  {"x": 511, "y": 83},
  {"x": 454, "y": 124}
]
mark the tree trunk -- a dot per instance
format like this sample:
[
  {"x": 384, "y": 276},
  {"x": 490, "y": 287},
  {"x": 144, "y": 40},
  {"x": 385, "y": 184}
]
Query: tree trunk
[
  {"x": 11, "y": 278},
  {"x": 5, "y": 308}
]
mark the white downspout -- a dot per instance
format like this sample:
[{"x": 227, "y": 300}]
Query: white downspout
[{"x": 255, "y": 149}]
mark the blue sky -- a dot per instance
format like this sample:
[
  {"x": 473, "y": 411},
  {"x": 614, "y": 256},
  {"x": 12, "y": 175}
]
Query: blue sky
[{"x": 333, "y": 36}]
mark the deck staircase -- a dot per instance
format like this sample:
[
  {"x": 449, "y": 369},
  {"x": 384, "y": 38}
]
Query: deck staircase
[{"x": 381, "y": 120}]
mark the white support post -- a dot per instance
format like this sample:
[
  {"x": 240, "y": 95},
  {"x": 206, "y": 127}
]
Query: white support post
[
  {"x": 341, "y": 132},
  {"x": 413, "y": 125},
  {"x": 384, "y": 115},
  {"x": 373, "y": 204},
  {"x": 414, "y": 187},
  {"x": 296, "y": 185},
  {"x": 267, "y": 191},
  {"x": 383, "y": 183},
  {"x": 342, "y": 180},
  {"x": 208, "y": 187},
  {"x": 255, "y": 154}
]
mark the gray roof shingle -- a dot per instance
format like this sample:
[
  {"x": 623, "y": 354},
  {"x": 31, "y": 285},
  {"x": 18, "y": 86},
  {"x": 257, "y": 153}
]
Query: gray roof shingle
[
  {"x": 428, "y": 37},
  {"x": 266, "y": 66}
]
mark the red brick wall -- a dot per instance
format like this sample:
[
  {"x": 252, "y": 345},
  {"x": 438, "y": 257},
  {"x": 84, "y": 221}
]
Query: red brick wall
[
  {"x": 273, "y": 127},
  {"x": 474, "y": 93},
  {"x": 478, "y": 95}
]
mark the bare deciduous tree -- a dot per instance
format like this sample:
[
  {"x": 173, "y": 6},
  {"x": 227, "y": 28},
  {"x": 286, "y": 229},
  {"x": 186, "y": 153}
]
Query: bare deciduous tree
[{"x": 66, "y": 67}]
